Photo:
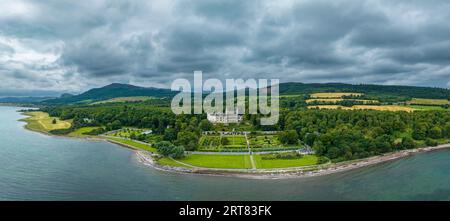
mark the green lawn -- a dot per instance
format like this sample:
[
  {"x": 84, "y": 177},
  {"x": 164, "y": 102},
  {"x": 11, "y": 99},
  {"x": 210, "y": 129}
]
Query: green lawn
[
  {"x": 306, "y": 160},
  {"x": 170, "y": 162},
  {"x": 133, "y": 144},
  {"x": 218, "y": 161},
  {"x": 80, "y": 132}
]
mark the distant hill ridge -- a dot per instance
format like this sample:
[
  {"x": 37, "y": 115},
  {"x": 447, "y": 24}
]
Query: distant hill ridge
[
  {"x": 126, "y": 90},
  {"x": 112, "y": 91}
]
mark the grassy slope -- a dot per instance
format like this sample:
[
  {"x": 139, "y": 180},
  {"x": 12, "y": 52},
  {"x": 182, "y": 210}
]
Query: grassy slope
[
  {"x": 42, "y": 122},
  {"x": 170, "y": 162},
  {"x": 134, "y": 144}
]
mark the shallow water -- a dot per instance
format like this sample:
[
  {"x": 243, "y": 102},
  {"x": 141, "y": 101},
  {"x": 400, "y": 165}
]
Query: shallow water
[{"x": 34, "y": 166}]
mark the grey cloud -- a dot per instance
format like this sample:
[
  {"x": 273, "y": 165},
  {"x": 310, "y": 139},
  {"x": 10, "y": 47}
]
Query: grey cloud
[{"x": 151, "y": 43}]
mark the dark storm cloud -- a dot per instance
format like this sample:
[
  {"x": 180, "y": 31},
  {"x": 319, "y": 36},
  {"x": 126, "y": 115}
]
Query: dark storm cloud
[{"x": 71, "y": 46}]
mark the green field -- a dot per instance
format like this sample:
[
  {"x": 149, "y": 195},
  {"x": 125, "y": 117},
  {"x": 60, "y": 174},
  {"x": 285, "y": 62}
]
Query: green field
[
  {"x": 80, "y": 132},
  {"x": 42, "y": 122},
  {"x": 423, "y": 107},
  {"x": 170, "y": 162},
  {"x": 218, "y": 161},
  {"x": 239, "y": 161},
  {"x": 134, "y": 144},
  {"x": 428, "y": 101},
  {"x": 306, "y": 160}
]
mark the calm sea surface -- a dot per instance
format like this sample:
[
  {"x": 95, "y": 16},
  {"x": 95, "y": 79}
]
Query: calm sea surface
[{"x": 39, "y": 167}]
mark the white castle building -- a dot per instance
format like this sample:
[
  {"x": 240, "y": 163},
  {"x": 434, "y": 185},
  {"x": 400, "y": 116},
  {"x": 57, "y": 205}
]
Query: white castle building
[{"x": 225, "y": 118}]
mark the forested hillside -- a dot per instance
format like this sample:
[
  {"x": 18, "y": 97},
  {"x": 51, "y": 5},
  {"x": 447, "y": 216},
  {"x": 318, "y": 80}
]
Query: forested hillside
[
  {"x": 111, "y": 91},
  {"x": 402, "y": 91}
]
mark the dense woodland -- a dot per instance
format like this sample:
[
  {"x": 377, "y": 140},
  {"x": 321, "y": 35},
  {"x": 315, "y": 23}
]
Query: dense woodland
[{"x": 380, "y": 91}]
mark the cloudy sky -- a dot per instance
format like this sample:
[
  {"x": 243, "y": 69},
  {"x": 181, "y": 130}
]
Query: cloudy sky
[{"x": 71, "y": 46}]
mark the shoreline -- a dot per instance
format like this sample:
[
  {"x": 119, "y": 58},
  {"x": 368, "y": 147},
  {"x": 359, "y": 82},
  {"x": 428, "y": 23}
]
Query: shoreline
[
  {"x": 292, "y": 172},
  {"x": 147, "y": 158}
]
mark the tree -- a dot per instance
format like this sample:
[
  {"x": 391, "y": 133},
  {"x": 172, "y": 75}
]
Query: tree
[
  {"x": 187, "y": 139},
  {"x": 408, "y": 143},
  {"x": 310, "y": 138},
  {"x": 177, "y": 152},
  {"x": 288, "y": 137},
  {"x": 420, "y": 131},
  {"x": 319, "y": 148},
  {"x": 447, "y": 130},
  {"x": 383, "y": 143},
  {"x": 54, "y": 121},
  {"x": 435, "y": 132},
  {"x": 431, "y": 142},
  {"x": 167, "y": 149},
  {"x": 170, "y": 134},
  {"x": 205, "y": 125},
  {"x": 224, "y": 141}
]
